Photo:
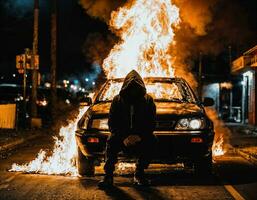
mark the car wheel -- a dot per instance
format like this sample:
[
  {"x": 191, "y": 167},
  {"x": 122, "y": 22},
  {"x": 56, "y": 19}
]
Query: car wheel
[
  {"x": 204, "y": 166},
  {"x": 85, "y": 165}
]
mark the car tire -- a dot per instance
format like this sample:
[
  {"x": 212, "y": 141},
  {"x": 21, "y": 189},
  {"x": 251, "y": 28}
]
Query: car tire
[
  {"x": 85, "y": 165},
  {"x": 203, "y": 166}
]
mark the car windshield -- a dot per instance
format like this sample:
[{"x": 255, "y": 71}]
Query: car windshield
[{"x": 161, "y": 91}]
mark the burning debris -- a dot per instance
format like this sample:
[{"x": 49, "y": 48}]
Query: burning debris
[{"x": 62, "y": 161}]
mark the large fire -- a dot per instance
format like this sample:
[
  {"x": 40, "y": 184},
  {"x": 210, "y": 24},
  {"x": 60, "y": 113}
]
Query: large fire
[
  {"x": 146, "y": 31},
  {"x": 62, "y": 160}
]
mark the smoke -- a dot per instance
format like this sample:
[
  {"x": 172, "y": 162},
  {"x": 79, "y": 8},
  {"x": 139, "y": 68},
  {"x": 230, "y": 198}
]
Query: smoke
[
  {"x": 196, "y": 13},
  {"x": 18, "y": 8},
  {"x": 93, "y": 75},
  {"x": 100, "y": 8},
  {"x": 195, "y": 16},
  {"x": 97, "y": 46},
  {"x": 210, "y": 27}
]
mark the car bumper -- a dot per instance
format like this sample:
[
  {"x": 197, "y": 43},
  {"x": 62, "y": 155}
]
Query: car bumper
[{"x": 173, "y": 146}]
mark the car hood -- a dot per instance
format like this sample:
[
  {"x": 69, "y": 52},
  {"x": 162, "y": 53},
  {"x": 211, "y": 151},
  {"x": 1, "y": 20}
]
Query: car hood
[{"x": 163, "y": 108}]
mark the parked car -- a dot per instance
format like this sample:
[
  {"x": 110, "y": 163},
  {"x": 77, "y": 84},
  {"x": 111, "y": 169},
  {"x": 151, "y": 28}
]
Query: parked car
[
  {"x": 11, "y": 93},
  {"x": 185, "y": 133}
]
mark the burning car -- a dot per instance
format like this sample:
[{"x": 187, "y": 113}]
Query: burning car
[{"x": 184, "y": 132}]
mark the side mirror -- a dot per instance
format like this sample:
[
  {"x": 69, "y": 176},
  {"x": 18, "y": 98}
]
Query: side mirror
[
  {"x": 86, "y": 101},
  {"x": 208, "y": 101}
]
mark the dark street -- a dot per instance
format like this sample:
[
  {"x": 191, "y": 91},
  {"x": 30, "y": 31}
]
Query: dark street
[
  {"x": 233, "y": 178},
  {"x": 129, "y": 99}
]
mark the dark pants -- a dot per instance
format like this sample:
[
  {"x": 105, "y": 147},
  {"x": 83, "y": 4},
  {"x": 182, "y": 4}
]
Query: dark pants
[{"x": 143, "y": 151}]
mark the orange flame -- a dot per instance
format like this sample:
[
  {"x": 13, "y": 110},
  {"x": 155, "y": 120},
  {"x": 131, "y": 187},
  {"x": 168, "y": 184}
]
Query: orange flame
[
  {"x": 218, "y": 147},
  {"x": 145, "y": 29},
  {"x": 62, "y": 160},
  {"x": 222, "y": 133}
]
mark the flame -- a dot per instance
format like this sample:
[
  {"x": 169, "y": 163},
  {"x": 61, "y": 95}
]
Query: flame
[
  {"x": 145, "y": 29},
  {"x": 222, "y": 133},
  {"x": 125, "y": 168},
  {"x": 62, "y": 161},
  {"x": 156, "y": 90},
  {"x": 218, "y": 147}
]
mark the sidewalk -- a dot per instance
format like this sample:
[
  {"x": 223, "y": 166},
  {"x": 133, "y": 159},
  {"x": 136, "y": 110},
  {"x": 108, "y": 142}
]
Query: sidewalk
[
  {"x": 244, "y": 140},
  {"x": 10, "y": 139}
]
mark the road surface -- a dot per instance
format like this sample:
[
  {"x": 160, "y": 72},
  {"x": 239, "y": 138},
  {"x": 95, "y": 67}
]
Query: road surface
[{"x": 233, "y": 178}]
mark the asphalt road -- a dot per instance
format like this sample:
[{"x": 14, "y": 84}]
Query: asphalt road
[{"x": 233, "y": 178}]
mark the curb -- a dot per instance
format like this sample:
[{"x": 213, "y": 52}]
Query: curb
[
  {"x": 16, "y": 143},
  {"x": 246, "y": 156}
]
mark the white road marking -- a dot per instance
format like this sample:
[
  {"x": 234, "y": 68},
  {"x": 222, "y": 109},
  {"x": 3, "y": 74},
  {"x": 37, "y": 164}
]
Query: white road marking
[{"x": 233, "y": 192}]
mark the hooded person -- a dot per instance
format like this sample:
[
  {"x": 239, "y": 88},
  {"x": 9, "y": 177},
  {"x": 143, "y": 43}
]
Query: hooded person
[{"x": 131, "y": 123}]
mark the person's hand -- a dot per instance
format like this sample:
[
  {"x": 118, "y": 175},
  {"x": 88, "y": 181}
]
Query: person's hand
[{"x": 131, "y": 140}]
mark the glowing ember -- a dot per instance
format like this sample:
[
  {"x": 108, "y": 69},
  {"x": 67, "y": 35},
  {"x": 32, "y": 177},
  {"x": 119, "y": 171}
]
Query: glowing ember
[
  {"x": 145, "y": 28},
  {"x": 62, "y": 161}
]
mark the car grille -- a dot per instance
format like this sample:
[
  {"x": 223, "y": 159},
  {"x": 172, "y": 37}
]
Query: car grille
[{"x": 164, "y": 125}]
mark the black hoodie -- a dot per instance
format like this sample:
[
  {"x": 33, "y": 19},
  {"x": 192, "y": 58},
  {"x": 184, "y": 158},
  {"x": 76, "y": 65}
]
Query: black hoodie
[{"x": 132, "y": 110}]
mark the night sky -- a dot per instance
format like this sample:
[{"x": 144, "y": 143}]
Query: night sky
[
  {"x": 74, "y": 26},
  {"x": 16, "y": 24}
]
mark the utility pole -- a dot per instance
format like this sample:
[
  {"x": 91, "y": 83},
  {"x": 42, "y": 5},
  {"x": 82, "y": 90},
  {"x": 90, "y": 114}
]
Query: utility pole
[
  {"x": 34, "y": 53},
  {"x": 200, "y": 77},
  {"x": 53, "y": 52},
  {"x": 26, "y": 54},
  {"x": 230, "y": 94}
]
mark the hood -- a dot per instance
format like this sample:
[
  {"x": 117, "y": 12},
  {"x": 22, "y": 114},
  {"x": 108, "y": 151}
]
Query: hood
[
  {"x": 162, "y": 108},
  {"x": 133, "y": 87},
  {"x": 174, "y": 108}
]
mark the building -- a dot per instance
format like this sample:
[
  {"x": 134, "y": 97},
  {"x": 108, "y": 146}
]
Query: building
[{"x": 245, "y": 69}]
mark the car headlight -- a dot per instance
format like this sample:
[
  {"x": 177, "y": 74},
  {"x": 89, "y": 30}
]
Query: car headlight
[
  {"x": 100, "y": 124},
  {"x": 190, "y": 124}
]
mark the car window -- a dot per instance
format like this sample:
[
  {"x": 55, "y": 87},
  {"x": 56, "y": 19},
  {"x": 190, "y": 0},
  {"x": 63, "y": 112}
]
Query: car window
[{"x": 160, "y": 91}]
